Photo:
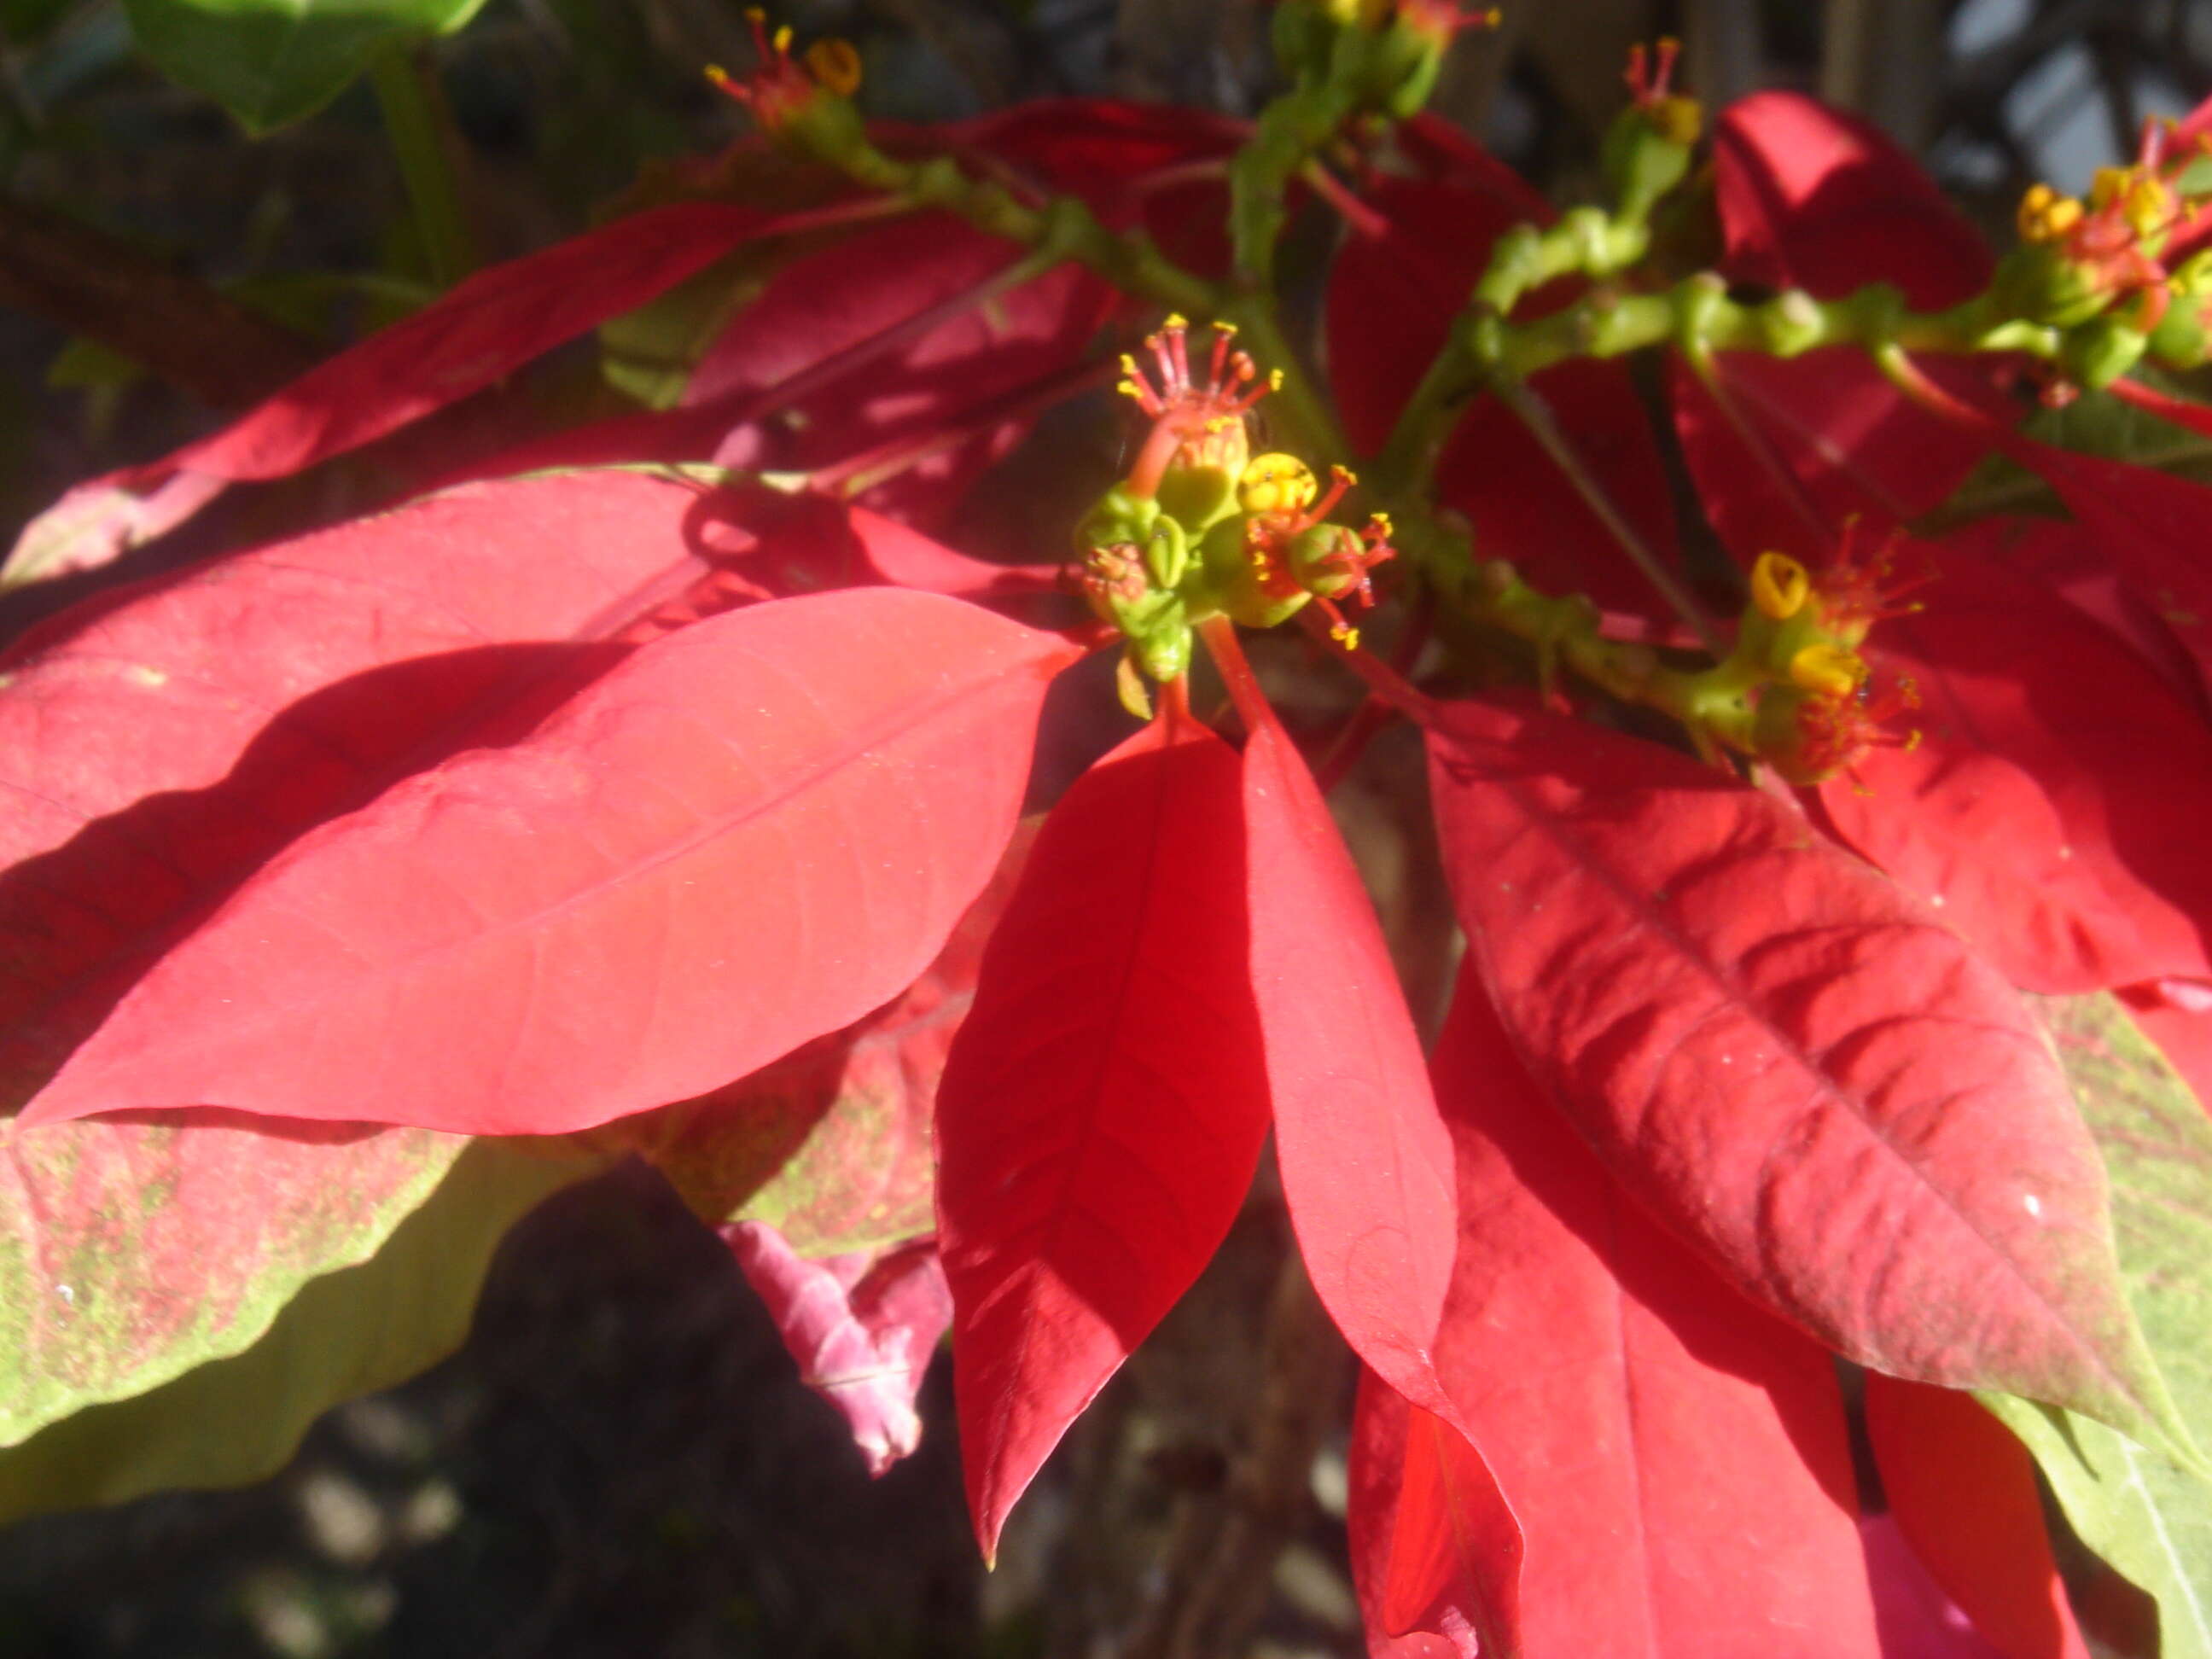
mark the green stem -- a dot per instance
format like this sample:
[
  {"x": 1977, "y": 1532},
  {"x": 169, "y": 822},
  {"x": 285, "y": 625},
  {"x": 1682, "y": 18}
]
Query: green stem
[
  {"x": 420, "y": 127},
  {"x": 1289, "y": 133},
  {"x": 1066, "y": 230}
]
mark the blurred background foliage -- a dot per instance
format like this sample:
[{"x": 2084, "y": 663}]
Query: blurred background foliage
[{"x": 199, "y": 198}]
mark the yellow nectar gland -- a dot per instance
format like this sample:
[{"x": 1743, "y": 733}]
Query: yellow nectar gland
[
  {"x": 835, "y": 65},
  {"x": 1779, "y": 586},
  {"x": 2045, "y": 215},
  {"x": 1828, "y": 670},
  {"x": 1277, "y": 483}
]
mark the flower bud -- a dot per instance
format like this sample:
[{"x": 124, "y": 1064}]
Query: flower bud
[{"x": 1647, "y": 150}]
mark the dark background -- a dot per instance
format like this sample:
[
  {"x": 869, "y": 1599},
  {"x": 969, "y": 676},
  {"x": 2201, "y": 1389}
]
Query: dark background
[{"x": 621, "y": 1461}]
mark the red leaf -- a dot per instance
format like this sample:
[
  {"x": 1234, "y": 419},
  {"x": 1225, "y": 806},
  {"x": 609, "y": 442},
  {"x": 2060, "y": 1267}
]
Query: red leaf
[
  {"x": 162, "y": 741},
  {"x": 1435, "y": 1550},
  {"x": 2063, "y": 557},
  {"x": 1105, "y": 1100},
  {"x": 1789, "y": 1062},
  {"x": 1812, "y": 198},
  {"x": 1107, "y": 151},
  {"x": 1917, "y": 1620},
  {"x": 483, "y": 330},
  {"x": 1365, "y": 1159},
  {"x": 1854, "y": 445},
  {"x": 2149, "y": 524},
  {"x": 921, "y": 360},
  {"x": 1147, "y": 165},
  {"x": 833, "y": 1144},
  {"x": 1643, "y": 1421},
  {"x": 2054, "y": 805},
  {"x": 750, "y": 832},
  {"x": 1963, "y": 1491},
  {"x": 862, "y": 1328}
]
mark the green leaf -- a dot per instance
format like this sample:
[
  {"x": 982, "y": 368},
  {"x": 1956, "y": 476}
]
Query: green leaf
[
  {"x": 349, "y": 1333},
  {"x": 2157, "y": 1143},
  {"x": 2096, "y": 423},
  {"x": 131, "y": 1251},
  {"x": 2150, "y": 1520},
  {"x": 273, "y": 62}
]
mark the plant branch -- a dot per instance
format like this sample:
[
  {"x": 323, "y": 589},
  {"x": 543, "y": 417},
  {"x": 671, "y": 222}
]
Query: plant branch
[{"x": 180, "y": 329}]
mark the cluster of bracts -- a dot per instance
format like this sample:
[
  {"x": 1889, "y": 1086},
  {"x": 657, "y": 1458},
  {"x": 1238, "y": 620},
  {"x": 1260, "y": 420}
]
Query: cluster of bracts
[{"x": 652, "y": 787}]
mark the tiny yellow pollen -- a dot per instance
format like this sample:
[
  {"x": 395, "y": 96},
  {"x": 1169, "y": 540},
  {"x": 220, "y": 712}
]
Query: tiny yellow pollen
[
  {"x": 2147, "y": 205},
  {"x": 1827, "y": 669},
  {"x": 1176, "y": 319},
  {"x": 1382, "y": 523},
  {"x": 1345, "y": 473},
  {"x": 2045, "y": 215},
  {"x": 1226, "y": 330},
  {"x": 783, "y": 39},
  {"x": 1345, "y": 635},
  {"x": 1779, "y": 586},
  {"x": 1275, "y": 379},
  {"x": 1129, "y": 366},
  {"x": 756, "y": 14},
  {"x": 1130, "y": 389},
  {"x": 719, "y": 76}
]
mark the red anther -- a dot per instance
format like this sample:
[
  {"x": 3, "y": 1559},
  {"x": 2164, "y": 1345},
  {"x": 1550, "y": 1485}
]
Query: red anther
[
  {"x": 1860, "y": 585},
  {"x": 1835, "y": 732}
]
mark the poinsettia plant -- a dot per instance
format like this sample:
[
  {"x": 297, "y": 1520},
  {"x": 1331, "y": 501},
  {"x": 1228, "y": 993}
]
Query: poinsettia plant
[{"x": 1792, "y": 1241}]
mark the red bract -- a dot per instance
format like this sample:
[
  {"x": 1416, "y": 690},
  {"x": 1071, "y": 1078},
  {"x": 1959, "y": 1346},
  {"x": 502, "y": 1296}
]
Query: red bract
[
  {"x": 1963, "y": 1491},
  {"x": 2051, "y": 807},
  {"x": 1103, "y": 1106},
  {"x": 861, "y": 1328},
  {"x": 667, "y": 807},
  {"x": 483, "y": 330},
  {"x": 463, "y": 965},
  {"x": 1670, "y": 1423},
  {"x": 1366, "y": 1159},
  {"x": 1790, "y": 1060},
  {"x": 1436, "y": 1551}
]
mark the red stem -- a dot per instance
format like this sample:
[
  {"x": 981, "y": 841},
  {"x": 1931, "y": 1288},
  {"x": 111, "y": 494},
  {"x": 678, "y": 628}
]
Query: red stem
[
  {"x": 1384, "y": 681},
  {"x": 1221, "y": 644}
]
